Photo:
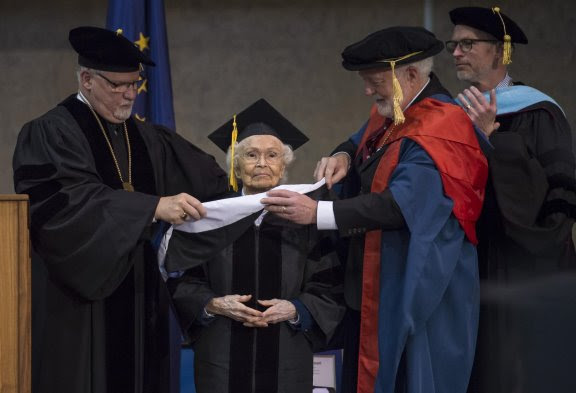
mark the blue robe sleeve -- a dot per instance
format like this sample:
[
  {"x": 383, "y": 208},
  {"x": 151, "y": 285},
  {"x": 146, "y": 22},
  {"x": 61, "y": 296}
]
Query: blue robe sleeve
[{"x": 428, "y": 306}]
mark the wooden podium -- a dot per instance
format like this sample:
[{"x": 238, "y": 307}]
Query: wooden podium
[{"x": 15, "y": 296}]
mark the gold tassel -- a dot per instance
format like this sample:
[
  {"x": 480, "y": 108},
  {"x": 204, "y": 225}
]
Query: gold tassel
[
  {"x": 119, "y": 31},
  {"x": 507, "y": 55},
  {"x": 233, "y": 182},
  {"x": 507, "y": 59},
  {"x": 396, "y": 88},
  {"x": 398, "y": 97}
]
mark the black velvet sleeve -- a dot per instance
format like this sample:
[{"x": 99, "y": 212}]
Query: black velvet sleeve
[
  {"x": 84, "y": 230},
  {"x": 532, "y": 169},
  {"x": 190, "y": 294},
  {"x": 367, "y": 212},
  {"x": 346, "y": 147},
  {"x": 322, "y": 289}
]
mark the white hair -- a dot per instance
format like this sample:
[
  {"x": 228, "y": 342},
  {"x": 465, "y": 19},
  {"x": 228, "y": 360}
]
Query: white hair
[
  {"x": 79, "y": 72},
  {"x": 240, "y": 148},
  {"x": 423, "y": 67}
]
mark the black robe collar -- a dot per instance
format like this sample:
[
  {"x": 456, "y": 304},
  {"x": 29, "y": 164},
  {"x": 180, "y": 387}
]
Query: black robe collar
[{"x": 142, "y": 171}]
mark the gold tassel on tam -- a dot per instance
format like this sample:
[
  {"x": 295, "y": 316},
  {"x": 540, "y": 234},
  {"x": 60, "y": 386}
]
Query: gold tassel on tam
[
  {"x": 398, "y": 97},
  {"x": 396, "y": 88},
  {"x": 119, "y": 31},
  {"x": 233, "y": 182},
  {"x": 507, "y": 56},
  {"x": 507, "y": 59}
]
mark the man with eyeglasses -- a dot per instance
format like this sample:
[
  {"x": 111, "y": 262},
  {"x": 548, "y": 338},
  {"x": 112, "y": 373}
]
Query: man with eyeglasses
[
  {"x": 98, "y": 181},
  {"x": 526, "y": 231}
]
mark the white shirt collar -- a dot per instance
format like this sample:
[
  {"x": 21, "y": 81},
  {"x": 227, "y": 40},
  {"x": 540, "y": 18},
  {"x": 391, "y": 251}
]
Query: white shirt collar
[
  {"x": 507, "y": 81},
  {"x": 81, "y": 97},
  {"x": 416, "y": 96}
]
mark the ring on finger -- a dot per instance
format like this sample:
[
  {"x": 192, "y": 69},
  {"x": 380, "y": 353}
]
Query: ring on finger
[
  {"x": 184, "y": 216},
  {"x": 283, "y": 209},
  {"x": 468, "y": 107}
]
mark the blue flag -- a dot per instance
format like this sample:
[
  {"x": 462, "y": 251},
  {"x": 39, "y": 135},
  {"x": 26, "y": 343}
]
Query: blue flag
[{"x": 143, "y": 22}]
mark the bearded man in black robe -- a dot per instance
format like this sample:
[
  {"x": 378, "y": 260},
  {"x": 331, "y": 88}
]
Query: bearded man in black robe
[{"x": 99, "y": 181}]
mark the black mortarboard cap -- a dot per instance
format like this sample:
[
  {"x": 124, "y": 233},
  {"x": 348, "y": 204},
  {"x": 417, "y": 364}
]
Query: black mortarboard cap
[
  {"x": 402, "y": 44},
  {"x": 488, "y": 20},
  {"x": 105, "y": 50},
  {"x": 260, "y": 118}
]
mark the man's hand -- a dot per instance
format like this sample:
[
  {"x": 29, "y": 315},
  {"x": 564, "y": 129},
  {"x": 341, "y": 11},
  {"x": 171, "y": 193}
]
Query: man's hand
[
  {"x": 291, "y": 206},
  {"x": 481, "y": 112},
  {"x": 178, "y": 208},
  {"x": 232, "y": 306},
  {"x": 332, "y": 168}
]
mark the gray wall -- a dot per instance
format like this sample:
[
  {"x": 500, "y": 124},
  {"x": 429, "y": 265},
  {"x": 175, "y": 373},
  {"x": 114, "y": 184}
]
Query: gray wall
[{"x": 225, "y": 54}]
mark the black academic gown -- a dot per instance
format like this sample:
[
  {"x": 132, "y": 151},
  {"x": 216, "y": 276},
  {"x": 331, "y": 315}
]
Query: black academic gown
[
  {"x": 525, "y": 235},
  {"x": 278, "y": 260},
  {"x": 100, "y": 310}
]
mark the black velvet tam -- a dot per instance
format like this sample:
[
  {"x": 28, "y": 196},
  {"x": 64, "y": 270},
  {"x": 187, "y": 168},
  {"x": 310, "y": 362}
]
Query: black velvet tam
[
  {"x": 260, "y": 118},
  {"x": 106, "y": 50},
  {"x": 488, "y": 21},
  {"x": 377, "y": 49}
]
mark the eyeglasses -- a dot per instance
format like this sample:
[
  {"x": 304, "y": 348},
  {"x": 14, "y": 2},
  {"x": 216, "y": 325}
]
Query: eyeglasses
[
  {"x": 122, "y": 87},
  {"x": 253, "y": 156},
  {"x": 465, "y": 44}
]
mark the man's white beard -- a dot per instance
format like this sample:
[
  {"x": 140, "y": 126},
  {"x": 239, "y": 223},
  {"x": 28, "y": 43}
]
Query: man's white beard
[
  {"x": 386, "y": 110},
  {"x": 122, "y": 114}
]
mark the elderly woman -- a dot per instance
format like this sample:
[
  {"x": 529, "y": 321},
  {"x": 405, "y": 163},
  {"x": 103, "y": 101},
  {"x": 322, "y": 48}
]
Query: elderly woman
[{"x": 256, "y": 311}]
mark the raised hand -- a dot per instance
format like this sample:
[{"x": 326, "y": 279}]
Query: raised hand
[
  {"x": 332, "y": 168},
  {"x": 481, "y": 112}
]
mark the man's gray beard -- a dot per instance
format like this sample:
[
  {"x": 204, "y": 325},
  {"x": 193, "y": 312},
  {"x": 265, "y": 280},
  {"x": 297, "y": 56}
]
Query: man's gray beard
[
  {"x": 386, "y": 110},
  {"x": 123, "y": 114},
  {"x": 463, "y": 76}
]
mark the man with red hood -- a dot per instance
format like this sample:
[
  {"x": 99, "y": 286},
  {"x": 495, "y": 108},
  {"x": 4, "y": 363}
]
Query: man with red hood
[{"x": 411, "y": 275}]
